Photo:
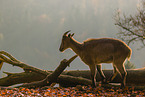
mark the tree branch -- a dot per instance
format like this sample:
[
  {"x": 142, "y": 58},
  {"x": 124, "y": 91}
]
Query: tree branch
[{"x": 52, "y": 77}]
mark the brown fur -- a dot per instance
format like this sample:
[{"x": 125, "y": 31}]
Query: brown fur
[{"x": 102, "y": 50}]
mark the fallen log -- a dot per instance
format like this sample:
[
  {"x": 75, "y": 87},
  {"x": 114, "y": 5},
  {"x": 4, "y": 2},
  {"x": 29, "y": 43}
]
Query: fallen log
[
  {"x": 67, "y": 78},
  {"x": 134, "y": 76},
  {"x": 16, "y": 78},
  {"x": 52, "y": 77}
]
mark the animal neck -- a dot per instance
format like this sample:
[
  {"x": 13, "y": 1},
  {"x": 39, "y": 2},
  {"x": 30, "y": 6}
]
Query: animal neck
[{"x": 75, "y": 46}]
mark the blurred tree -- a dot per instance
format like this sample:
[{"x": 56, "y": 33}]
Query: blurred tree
[{"x": 132, "y": 28}]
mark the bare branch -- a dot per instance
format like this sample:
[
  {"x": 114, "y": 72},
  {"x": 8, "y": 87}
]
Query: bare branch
[{"x": 132, "y": 28}]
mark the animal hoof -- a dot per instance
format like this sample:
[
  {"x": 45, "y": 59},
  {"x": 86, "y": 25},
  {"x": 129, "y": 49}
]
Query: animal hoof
[
  {"x": 93, "y": 85},
  {"x": 122, "y": 86}
]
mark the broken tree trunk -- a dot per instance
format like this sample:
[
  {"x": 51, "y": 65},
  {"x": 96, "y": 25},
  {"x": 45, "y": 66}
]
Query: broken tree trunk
[
  {"x": 16, "y": 78},
  {"x": 52, "y": 77},
  {"x": 67, "y": 78}
]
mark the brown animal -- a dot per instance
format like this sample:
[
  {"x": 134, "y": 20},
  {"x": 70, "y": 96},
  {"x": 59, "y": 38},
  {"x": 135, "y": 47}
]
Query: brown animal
[{"x": 93, "y": 52}]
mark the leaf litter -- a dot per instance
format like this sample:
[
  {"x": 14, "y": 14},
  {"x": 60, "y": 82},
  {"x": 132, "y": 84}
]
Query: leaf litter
[{"x": 78, "y": 91}]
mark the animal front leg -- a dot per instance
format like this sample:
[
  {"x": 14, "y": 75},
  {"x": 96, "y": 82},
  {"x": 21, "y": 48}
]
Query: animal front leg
[
  {"x": 93, "y": 74},
  {"x": 103, "y": 78}
]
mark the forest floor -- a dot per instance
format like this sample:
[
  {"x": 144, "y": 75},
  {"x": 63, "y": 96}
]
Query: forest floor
[{"x": 78, "y": 91}]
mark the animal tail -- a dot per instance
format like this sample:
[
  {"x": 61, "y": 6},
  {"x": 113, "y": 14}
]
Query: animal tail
[{"x": 129, "y": 54}]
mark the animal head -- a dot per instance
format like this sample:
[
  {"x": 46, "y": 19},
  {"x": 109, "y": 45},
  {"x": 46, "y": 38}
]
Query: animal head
[{"x": 65, "y": 43}]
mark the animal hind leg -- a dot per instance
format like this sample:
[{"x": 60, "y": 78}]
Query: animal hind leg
[
  {"x": 103, "y": 78},
  {"x": 123, "y": 73},
  {"x": 115, "y": 72}
]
